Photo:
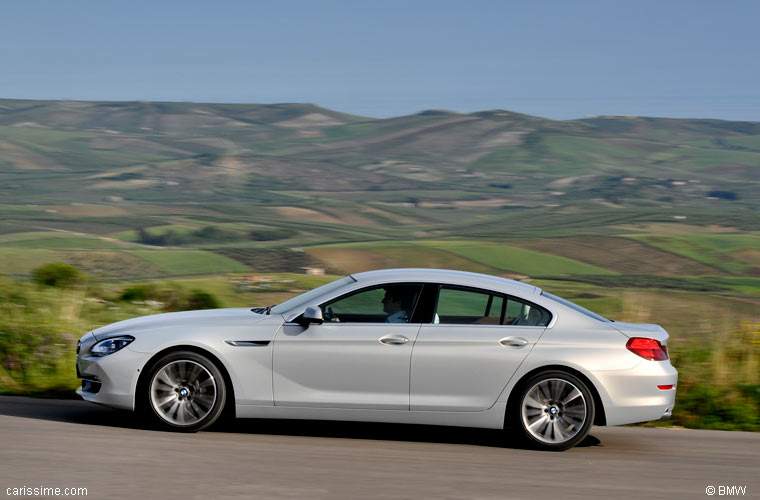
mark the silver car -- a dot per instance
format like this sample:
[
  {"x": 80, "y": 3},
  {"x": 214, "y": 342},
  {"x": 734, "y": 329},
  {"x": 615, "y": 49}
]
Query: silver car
[{"x": 421, "y": 346}]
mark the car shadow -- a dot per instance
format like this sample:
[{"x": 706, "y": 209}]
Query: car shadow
[
  {"x": 67, "y": 410},
  {"x": 81, "y": 412},
  {"x": 378, "y": 431}
]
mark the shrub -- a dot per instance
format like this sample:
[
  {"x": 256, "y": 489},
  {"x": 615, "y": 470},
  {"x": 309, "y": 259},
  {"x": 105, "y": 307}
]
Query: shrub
[
  {"x": 270, "y": 234},
  {"x": 58, "y": 274},
  {"x": 141, "y": 293},
  {"x": 171, "y": 297},
  {"x": 202, "y": 300}
]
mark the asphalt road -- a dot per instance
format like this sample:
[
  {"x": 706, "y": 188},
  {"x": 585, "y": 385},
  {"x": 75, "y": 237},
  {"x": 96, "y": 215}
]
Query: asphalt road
[{"x": 62, "y": 443}]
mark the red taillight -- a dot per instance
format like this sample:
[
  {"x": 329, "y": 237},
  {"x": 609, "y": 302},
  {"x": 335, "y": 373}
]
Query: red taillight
[
  {"x": 650, "y": 349},
  {"x": 665, "y": 387}
]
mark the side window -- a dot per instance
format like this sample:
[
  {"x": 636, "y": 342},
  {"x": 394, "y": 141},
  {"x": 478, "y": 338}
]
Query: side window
[
  {"x": 468, "y": 307},
  {"x": 523, "y": 313},
  {"x": 393, "y": 303},
  {"x": 479, "y": 307}
]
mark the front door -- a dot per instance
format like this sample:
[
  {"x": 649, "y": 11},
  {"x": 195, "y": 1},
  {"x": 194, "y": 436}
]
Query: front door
[{"x": 359, "y": 358}]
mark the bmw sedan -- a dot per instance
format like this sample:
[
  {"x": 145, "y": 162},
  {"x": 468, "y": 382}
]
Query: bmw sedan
[{"x": 420, "y": 346}]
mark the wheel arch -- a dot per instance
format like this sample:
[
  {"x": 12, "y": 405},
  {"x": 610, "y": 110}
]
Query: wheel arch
[
  {"x": 142, "y": 380},
  {"x": 599, "y": 416}
]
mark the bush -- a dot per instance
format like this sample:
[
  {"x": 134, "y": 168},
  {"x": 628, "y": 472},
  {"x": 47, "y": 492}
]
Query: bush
[
  {"x": 171, "y": 297},
  {"x": 171, "y": 237},
  {"x": 58, "y": 274},
  {"x": 141, "y": 293},
  {"x": 202, "y": 300},
  {"x": 270, "y": 234}
]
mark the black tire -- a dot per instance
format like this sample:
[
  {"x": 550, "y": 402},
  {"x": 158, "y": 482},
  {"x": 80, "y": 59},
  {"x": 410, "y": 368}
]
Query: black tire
[
  {"x": 554, "y": 411},
  {"x": 184, "y": 391}
]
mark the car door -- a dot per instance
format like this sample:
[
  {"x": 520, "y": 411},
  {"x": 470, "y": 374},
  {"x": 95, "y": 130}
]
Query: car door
[
  {"x": 358, "y": 358},
  {"x": 477, "y": 339}
]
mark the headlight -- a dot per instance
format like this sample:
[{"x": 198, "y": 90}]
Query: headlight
[{"x": 110, "y": 346}]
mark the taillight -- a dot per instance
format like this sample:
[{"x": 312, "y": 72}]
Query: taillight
[{"x": 650, "y": 349}]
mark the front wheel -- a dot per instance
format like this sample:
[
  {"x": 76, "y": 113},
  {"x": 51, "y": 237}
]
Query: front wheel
[
  {"x": 185, "y": 391},
  {"x": 555, "y": 411}
]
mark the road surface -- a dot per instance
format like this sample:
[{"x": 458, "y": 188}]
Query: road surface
[{"x": 66, "y": 443}]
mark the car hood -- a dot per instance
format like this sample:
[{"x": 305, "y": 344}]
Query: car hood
[
  {"x": 211, "y": 317},
  {"x": 648, "y": 330}
]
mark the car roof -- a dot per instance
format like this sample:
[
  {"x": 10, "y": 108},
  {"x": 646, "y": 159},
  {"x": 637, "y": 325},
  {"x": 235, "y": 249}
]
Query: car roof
[{"x": 446, "y": 276}]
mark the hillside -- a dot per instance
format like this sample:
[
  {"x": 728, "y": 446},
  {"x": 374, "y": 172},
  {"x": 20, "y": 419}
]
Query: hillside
[
  {"x": 105, "y": 185},
  {"x": 58, "y": 152}
]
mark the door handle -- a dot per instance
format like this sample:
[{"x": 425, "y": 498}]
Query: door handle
[
  {"x": 394, "y": 339},
  {"x": 513, "y": 342}
]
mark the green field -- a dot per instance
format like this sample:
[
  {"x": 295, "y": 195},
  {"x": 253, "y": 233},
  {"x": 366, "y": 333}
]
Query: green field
[
  {"x": 189, "y": 262},
  {"x": 734, "y": 253},
  {"x": 519, "y": 260}
]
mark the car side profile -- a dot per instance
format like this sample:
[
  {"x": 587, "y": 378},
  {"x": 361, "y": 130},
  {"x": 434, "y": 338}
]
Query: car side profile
[{"x": 420, "y": 346}]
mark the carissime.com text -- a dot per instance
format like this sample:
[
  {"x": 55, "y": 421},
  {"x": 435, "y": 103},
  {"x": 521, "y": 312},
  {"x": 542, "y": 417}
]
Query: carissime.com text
[{"x": 45, "y": 491}]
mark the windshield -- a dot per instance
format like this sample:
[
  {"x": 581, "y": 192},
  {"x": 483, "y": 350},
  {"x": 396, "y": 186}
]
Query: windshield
[
  {"x": 575, "y": 307},
  {"x": 307, "y": 297}
]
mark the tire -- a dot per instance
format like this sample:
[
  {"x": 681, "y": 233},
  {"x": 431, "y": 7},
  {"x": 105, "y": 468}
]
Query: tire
[
  {"x": 185, "y": 391},
  {"x": 554, "y": 411}
]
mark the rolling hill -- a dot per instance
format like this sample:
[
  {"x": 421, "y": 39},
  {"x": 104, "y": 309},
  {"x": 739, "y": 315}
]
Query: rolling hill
[{"x": 247, "y": 183}]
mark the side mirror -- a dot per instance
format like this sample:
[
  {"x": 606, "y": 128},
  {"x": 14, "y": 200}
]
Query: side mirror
[{"x": 311, "y": 315}]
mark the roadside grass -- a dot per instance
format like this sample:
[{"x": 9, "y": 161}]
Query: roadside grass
[
  {"x": 39, "y": 328},
  {"x": 40, "y": 325},
  {"x": 714, "y": 343}
]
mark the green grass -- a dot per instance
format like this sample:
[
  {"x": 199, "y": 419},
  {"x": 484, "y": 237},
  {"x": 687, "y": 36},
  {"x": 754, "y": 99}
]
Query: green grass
[
  {"x": 716, "y": 250},
  {"x": 60, "y": 243},
  {"x": 19, "y": 262},
  {"x": 32, "y": 235},
  {"x": 189, "y": 262},
  {"x": 524, "y": 261}
]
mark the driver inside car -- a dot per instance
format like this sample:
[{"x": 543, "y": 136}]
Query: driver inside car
[{"x": 397, "y": 304}]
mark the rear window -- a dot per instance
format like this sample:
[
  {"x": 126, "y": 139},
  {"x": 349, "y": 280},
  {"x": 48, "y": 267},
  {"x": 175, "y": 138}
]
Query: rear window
[{"x": 575, "y": 307}]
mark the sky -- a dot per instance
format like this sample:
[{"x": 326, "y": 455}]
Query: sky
[{"x": 381, "y": 58}]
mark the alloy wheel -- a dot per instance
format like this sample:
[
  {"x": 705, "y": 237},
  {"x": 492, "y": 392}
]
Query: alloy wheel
[
  {"x": 183, "y": 392},
  {"x": 554, "y": 411}
]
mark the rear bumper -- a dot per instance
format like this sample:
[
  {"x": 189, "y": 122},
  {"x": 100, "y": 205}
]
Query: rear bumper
[{"x": 634, "y": 395}]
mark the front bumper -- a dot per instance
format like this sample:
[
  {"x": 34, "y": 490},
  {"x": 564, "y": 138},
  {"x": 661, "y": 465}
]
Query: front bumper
[{"x": 109, "y": 380}]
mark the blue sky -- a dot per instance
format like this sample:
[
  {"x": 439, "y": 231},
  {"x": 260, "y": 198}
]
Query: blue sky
[{"x": 558, "y": 59}]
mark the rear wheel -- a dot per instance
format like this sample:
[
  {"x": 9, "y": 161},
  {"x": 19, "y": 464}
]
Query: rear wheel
[
  {"x": 185, "y": 391},
  {"x": 555, "y": 411}
]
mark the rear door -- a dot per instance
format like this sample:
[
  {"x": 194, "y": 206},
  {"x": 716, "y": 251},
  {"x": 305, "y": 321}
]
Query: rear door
[{"x": 464, "y": 358}]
